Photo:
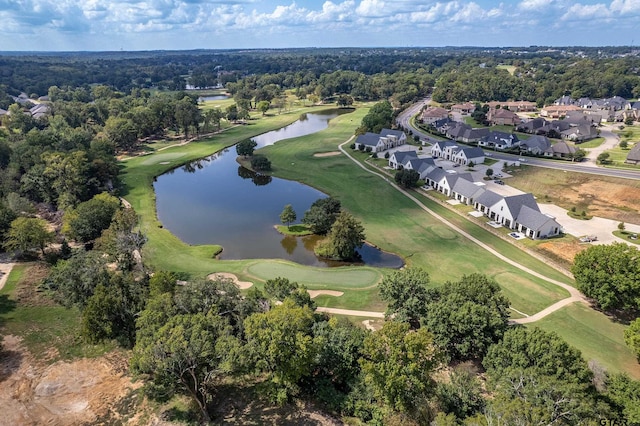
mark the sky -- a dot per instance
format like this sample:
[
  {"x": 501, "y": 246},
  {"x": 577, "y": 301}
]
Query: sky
[{"x": 98, "y": 25}]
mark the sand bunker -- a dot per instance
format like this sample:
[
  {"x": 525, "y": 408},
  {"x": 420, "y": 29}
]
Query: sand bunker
[
  {"x": 165, "y": 162},
  {"x": 242, "y": 285},
  {"x": 326, "y": 154},
  {"x": 316, "y": 293}
]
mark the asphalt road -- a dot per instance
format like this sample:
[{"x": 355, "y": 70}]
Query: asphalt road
[{"x": 404, "y": 121}]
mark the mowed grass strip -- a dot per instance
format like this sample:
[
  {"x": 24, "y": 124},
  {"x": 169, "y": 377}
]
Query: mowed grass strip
[
  {"x": 596, "y": 335},
  {"x": 529, "y": 295},
  {"x": 343, "y": 278}
]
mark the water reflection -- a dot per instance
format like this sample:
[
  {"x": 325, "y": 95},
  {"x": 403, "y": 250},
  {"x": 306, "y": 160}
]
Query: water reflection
[{"x": 214, "y": 201}]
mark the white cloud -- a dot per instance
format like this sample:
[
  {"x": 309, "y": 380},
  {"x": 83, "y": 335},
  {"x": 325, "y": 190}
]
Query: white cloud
[
  {"x": 534, "y": 4},
  {"x": 372, "y": 8},
  {"x": 586, "y": 12},
  {"x": 470, "y": 12},
  {"x": 626, "y": 6}
]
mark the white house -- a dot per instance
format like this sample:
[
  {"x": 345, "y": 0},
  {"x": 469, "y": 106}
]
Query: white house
[
  {"x": 467, "y": 155},
  {"x": 398, "y": 159}
]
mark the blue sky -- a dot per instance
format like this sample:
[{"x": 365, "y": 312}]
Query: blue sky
[{"x": 219, "y": 24}]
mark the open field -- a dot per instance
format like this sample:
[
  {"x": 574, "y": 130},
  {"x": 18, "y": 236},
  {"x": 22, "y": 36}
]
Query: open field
[
  {"x": 511, "y": 69},
  {"x": 595, "y": 334},
  {"x": 45, "y": 327},
  {"x": 608, "y": 197}
]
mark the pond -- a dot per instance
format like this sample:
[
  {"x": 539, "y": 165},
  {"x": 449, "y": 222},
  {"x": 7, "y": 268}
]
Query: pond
[
  {"x": 213, "y": 98},
  {"x": 214, "y": 200}
]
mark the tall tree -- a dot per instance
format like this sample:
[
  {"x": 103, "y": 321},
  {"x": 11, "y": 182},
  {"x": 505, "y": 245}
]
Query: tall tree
[
  {"x": 398, "y": 364},
  {"x": 346, "y": 235},
  {"x": 288, "y": 215},
  {"x": 321, "y": 215},
  {"x": 26, "y": 233},
  {"x": 282, "y": 344},
  {"x": 246, "y": 147},
  {"x": 405, "y": 292},
  {"x": 609, "y": 274},
  {"x": 87, "y": 221}
]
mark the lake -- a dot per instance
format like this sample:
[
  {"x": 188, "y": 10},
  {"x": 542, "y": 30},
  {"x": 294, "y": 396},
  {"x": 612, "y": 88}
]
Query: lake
[{"x": 214, "y": 200}]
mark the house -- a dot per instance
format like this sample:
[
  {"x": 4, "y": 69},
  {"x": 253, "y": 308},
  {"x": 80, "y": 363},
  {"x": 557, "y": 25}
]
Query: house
[
  {"x": 502, "y": 117},
  {"x": 580, "y": 133},
  {"x": 499, "y": 140},
  {"x": 438, "y": 148},
  {"x": 432, "y": 114},
  {"x": 534, "y": 224},
  {"x": 536, "y": 145},
  {"x": 532, "y": 126},
  {"x": 515, "y": 106},
  {"x": 40, "y": 110},
  {"x": 421, "y": 165},
  {"x": 467, "y": 191},
  {"x": 557, "y": 111},
  {"x": 3, "y": 112},
  {"x": 399, "y": 158},
  {"x": 468, "y": 155},
  {"x": 370, "y": 140},
  {"x": 465, "y": 133},
  {"x": 394, "y": 137},
  {"x": 443, "y": 125},
  {"x": 576, "y": 118},
  {"x": 633, "y": 157},
  {"x": 434, "y": 176},
  {"x": 448, "y": 181},
  {"x": 465, "y": 108},
  {"x": 386, "y": 139},
  {"x": 565, "y": 100},
  {"x": 484, "y": 201},
  {"x": 560, "y": 150}
]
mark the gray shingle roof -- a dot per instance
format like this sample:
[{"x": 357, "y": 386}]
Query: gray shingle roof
[
  {"x": 539, "y": 142},
  {"x": 388, "y": 132},
  {"x": 467, "y": 188},
  {"x": 473, "y": 152},
  {"x": 488, "y": 198},
  {"x": 417, "y": 163},
  {"x": 436, "y": 174},
  {"x": 634, "y": 154},
  {"x": 368, "y": 139},
  {"x": 532, "y": 219},
  {"x": 516, "y": 202}
]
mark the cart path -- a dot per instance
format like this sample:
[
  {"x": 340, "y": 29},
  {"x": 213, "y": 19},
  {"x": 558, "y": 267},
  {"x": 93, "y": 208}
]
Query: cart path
[
  {"x": 575, "y": 295},
  {"x": 5, "y": 270}
]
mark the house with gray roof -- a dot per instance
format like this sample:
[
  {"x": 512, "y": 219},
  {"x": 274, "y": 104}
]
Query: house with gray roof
[
  {"x": 485, "y": 200},
  {"x": 633, "y": 157},
  {"x": 499, "y": 140},
  {"x": 432, "y": 114},
  {"x": 534, "y": 224},
  {"x": 438, "y": 149},
  {"x": 536, "y": 145},
  {"x": 531, "y": 126},
  {"x": 394, "y": 137},
  {"x": 560, "y": 150},
  {"x": 420, "y": 165},
  {"x": 378, "y": 142},
  {"x": 434, "y": 176},
  {"x": 580, "y": 133},
  {"x": 466, "y": 191},
  {"x": 398, "y": 159},
  {"x": 468, "y": 155}
]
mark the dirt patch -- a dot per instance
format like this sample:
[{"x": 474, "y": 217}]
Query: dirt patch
[
  {"x": 242, "y": 285},
  {"x": 602, "y": 196},
  {"x": 562, "y": 252},
  {"x": 64, "y": 393},
  {"x": 316, "y": 293},
  {"x": 327, "y": 154}
]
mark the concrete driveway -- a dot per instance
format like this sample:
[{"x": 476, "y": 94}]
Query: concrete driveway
[{"x": 598, "y": 226}]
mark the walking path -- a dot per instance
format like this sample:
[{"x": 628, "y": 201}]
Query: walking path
[
  {"x": 576, "y": 296},
  {"x": 5, "y": 270}
]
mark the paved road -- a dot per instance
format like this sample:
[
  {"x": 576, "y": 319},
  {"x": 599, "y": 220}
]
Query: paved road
[
  {"x": 586, "y": 167},
  {"x": 575, "y": 295}
]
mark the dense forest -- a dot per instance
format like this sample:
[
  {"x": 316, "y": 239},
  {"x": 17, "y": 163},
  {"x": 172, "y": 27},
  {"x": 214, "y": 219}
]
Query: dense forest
[{"x": 61, "y": 169}]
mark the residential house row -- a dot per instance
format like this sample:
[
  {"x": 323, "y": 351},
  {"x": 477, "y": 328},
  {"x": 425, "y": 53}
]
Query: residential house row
[
  {"x": 518, "y": 212},
  {"x": 378, "y": 142}
]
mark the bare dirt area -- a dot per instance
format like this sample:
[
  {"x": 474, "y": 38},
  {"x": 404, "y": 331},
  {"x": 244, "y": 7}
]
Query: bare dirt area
[
  {"x": 242, "y": 285},
  {"x": 327, "y": 154},
  {"x": 602, "y": 196},
  {"x": 562, "y": 252},
  {"x": 80, "y": 392}
]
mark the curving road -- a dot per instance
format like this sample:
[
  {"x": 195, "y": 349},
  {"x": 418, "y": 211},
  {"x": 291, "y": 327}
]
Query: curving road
[
  {"x": 404, "y": 120},
  {"x": 575, "y": 295}
]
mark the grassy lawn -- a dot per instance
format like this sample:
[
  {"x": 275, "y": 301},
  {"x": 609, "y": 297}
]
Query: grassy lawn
[
  {"x": 629, "y": 133},
  {"x": 625, "y": 235},
  {"x": 618, "y": 156},
  {"x": 49, "y": 331},
  {"x": 593, "y": 143},
  {"x": 595, "y": 335},
  {"x": 298, "y": 230},
  {"x": 510, "y": 68}
]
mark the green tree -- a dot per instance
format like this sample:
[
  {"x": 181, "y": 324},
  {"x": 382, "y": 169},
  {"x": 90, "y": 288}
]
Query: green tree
[
  {"x": 398, "y": 364},
  {"x": 344, "y": 101},
  {"x": 321, "y": 215},
  {"x": 190, "y": 353},
  {"x": 468, "y": 316},
  {"x": 579, "y": 154},
  {"x": 260, "y": 163},
  {"x": 544, "y": 352},
  {"x": 279, "y": 288},
  {"x": 621, "y": 226},
  {"x": 282, "y": 344},
  {"x": 461, "y": 395},
  {"x": 489, "y": 172},
  {"x": 346, "y": 235},
  {"x": 380, "y": 116},
  {"x": 603, "y": 158},
  {"x": 609, "y": 274},
  {"x": 263, "y": 107},
  {"x": 632, "y": 337},
  {"x": 87, "y": 221},
  {"x": 623, "y": 144},
  {"x": 121, "y": 132},
  {"x": 26, "y": 233},
  {"x": 120, "y": 241},
  {"x": 187, "y": 114},
  {"x": 624, "y": 393},
  {"x": 162, "y": 282},
  {"x": 246, "y": 147},
  {"x": 407, "y": 178},
  {"x": 288, "y": 215},
  {"x": 405, "y": 292}
]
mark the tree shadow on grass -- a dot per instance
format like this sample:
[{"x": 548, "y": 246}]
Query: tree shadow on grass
[{"x": 6, "y": 305}]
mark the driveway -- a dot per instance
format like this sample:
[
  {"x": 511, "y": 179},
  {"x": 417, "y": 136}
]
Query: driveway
[
  {"x": 610, "y": 142},
  {"x": 598, "y": 226}
]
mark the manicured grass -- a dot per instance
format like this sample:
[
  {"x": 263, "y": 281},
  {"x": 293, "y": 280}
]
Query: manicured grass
[
  {"x": 593, "y": 143},
  {"x": 317, "y": 278},
  {"x": 625, "y": 236},
  {"x": 298, "y": 230},
  {"x": 529, "y": 295},
  {"x": 50, "y": 332},
  {"x": 595, "y": 334},
  {"x": 510, "y": 68},
  {"x": 618, "y": 156}
]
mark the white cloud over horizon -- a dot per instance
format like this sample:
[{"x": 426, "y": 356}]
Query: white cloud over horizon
[{"x": 187, "y": 24}]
